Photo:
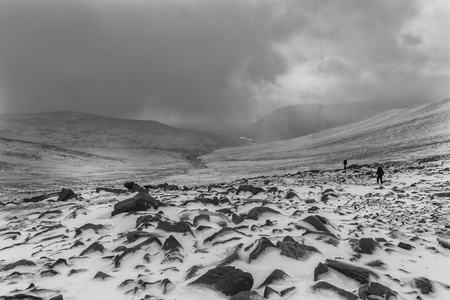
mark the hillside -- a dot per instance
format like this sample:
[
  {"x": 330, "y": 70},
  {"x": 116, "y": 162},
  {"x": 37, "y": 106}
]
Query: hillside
[
  {"x": 394, "y": 135},
  {"x": 299, "y": 120},
  {"x": 78, "y": 130}
]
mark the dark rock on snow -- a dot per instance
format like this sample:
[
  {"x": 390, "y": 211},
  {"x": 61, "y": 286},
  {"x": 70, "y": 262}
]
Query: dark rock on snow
[
  {"x": 227, "y": 280},
  {"x": 140, "y": 202},
  {"x": 323, "y": 285}
]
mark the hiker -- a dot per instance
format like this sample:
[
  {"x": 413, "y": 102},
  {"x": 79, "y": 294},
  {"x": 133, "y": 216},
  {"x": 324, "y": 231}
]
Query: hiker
[
  {"x": 345, "y": 164},
  {"x": 380, "y": 174}
]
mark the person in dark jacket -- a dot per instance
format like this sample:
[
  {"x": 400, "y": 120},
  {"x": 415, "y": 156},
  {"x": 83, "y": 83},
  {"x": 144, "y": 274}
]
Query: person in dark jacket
[
  {"x": 345, "y": 164},
  {"x": 380, "y": 174}
]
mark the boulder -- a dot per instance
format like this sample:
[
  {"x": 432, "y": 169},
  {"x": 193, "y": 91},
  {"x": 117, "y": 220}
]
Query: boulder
[
  {"x": 140, "y": 202},
  {"x": 256, "y": 212},
  {"x": 66, "y": 194},
  {"x": 247, "y": 295},
  {"x": 228, "y": 280},
  {"x": 291, "y": 248},
  {"x": 277, "y": 275},
  {"x": 262, "y": 245},
  {"x": 249, "y": 188},
  {"x": 323, "y": 285},
  {"x": 356, "y": 273}
]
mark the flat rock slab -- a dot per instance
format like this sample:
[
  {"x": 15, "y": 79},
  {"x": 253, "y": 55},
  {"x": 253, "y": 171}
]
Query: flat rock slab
[
  {"x": 356, "y": 273},
  {"x": 139, "y": 202}
]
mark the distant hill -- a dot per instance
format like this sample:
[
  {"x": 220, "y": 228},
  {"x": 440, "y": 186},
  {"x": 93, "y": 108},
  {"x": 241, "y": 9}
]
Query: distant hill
[
  {"x": 298, "y": 120},
  {"x": 397, "y": 134},
  {"x": 79, "y": 130}
]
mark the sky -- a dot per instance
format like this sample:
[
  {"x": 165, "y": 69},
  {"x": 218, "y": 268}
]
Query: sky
[{"x": 218, "y": 62}]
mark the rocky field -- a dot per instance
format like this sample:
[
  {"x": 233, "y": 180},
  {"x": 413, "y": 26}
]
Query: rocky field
[{"x": 318, "y": 234}]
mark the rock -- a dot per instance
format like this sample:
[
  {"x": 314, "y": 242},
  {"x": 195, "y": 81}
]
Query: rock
[
  {"x": 109, "y": 190},
  {"x": 57, "y": 297},
  {"x": 291, "y": 248},
  {"x": 443, "y": 243},
  {"x": 21, "y": 262},
  {"x": 268, "y": 292},
  {"x": 367, "y": 245},
  {"x": 319, "y": 270},
  {"x": 256, "y": 212},
  {"x": 405, "y": 246},
  {"x": 60, "y": 261},
  {"x": 323, "y": 285},
  {"x": 66, "y": 194},
  {"x": 166, "y": 285},
  {"x": 249, "y": 188},
  {"x": 48, "y": 273},
  {"x": 375, "y": 290},
  {"x": 131, "y": 186},
  {"x": 262, "y": 245},
  {"x": 93, "y": 248},
  {"x": 192, "y": 271},
  {"x": 356, "y": 273},
  {"x": 182, "y": 227},
  {"x": 276, "y": 276},
  {"x": 133, "y": 236},
  {"x": 88, "y": 226},
  {"x": 101, "y": 275},
  {"x": 227, "y": 280},
  {"x": 247, "y": 295},
  {"x": 424, "y": 285},
  {"x": 222, "y": 232},
  {"x": 171, "y": 244},
  {"x": 199, "y": 218},
  {"x": 319, "y": 223},
  {"x": 140, "y": 202},
  {"x": 376, "y": 264},
  {"x": 291, "y": 195},
  {"x": 21, "y": 296}
]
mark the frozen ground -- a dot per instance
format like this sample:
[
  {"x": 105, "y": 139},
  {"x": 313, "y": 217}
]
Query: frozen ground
[{"x": 407, "y": 218}]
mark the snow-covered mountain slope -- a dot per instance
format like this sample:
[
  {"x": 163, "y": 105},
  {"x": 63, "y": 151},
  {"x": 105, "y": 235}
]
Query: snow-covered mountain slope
[
  {"x": 396, "y": 134},
  {"x": 78, "y": 130}
]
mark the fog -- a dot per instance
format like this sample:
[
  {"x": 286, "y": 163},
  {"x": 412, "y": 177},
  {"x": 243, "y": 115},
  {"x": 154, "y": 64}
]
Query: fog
[{"x": 216, "y": 62}]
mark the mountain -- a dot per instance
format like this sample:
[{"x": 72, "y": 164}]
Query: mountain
[
  {"x": 398, "y": 134},
  {"x": 298, "y": 120},
  {"x": 79, "y": 130}
]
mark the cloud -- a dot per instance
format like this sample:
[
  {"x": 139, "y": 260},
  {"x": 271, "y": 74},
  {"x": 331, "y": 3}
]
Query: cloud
[{"x": 203, "y": 61}]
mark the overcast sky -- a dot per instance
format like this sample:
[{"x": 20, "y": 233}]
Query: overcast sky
[{"x": 201, "y": 61}]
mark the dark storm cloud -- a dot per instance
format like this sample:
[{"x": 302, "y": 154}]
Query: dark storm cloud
[
  {"x": 173, "y": 57},
  {"x": 211, "y": 61}
]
